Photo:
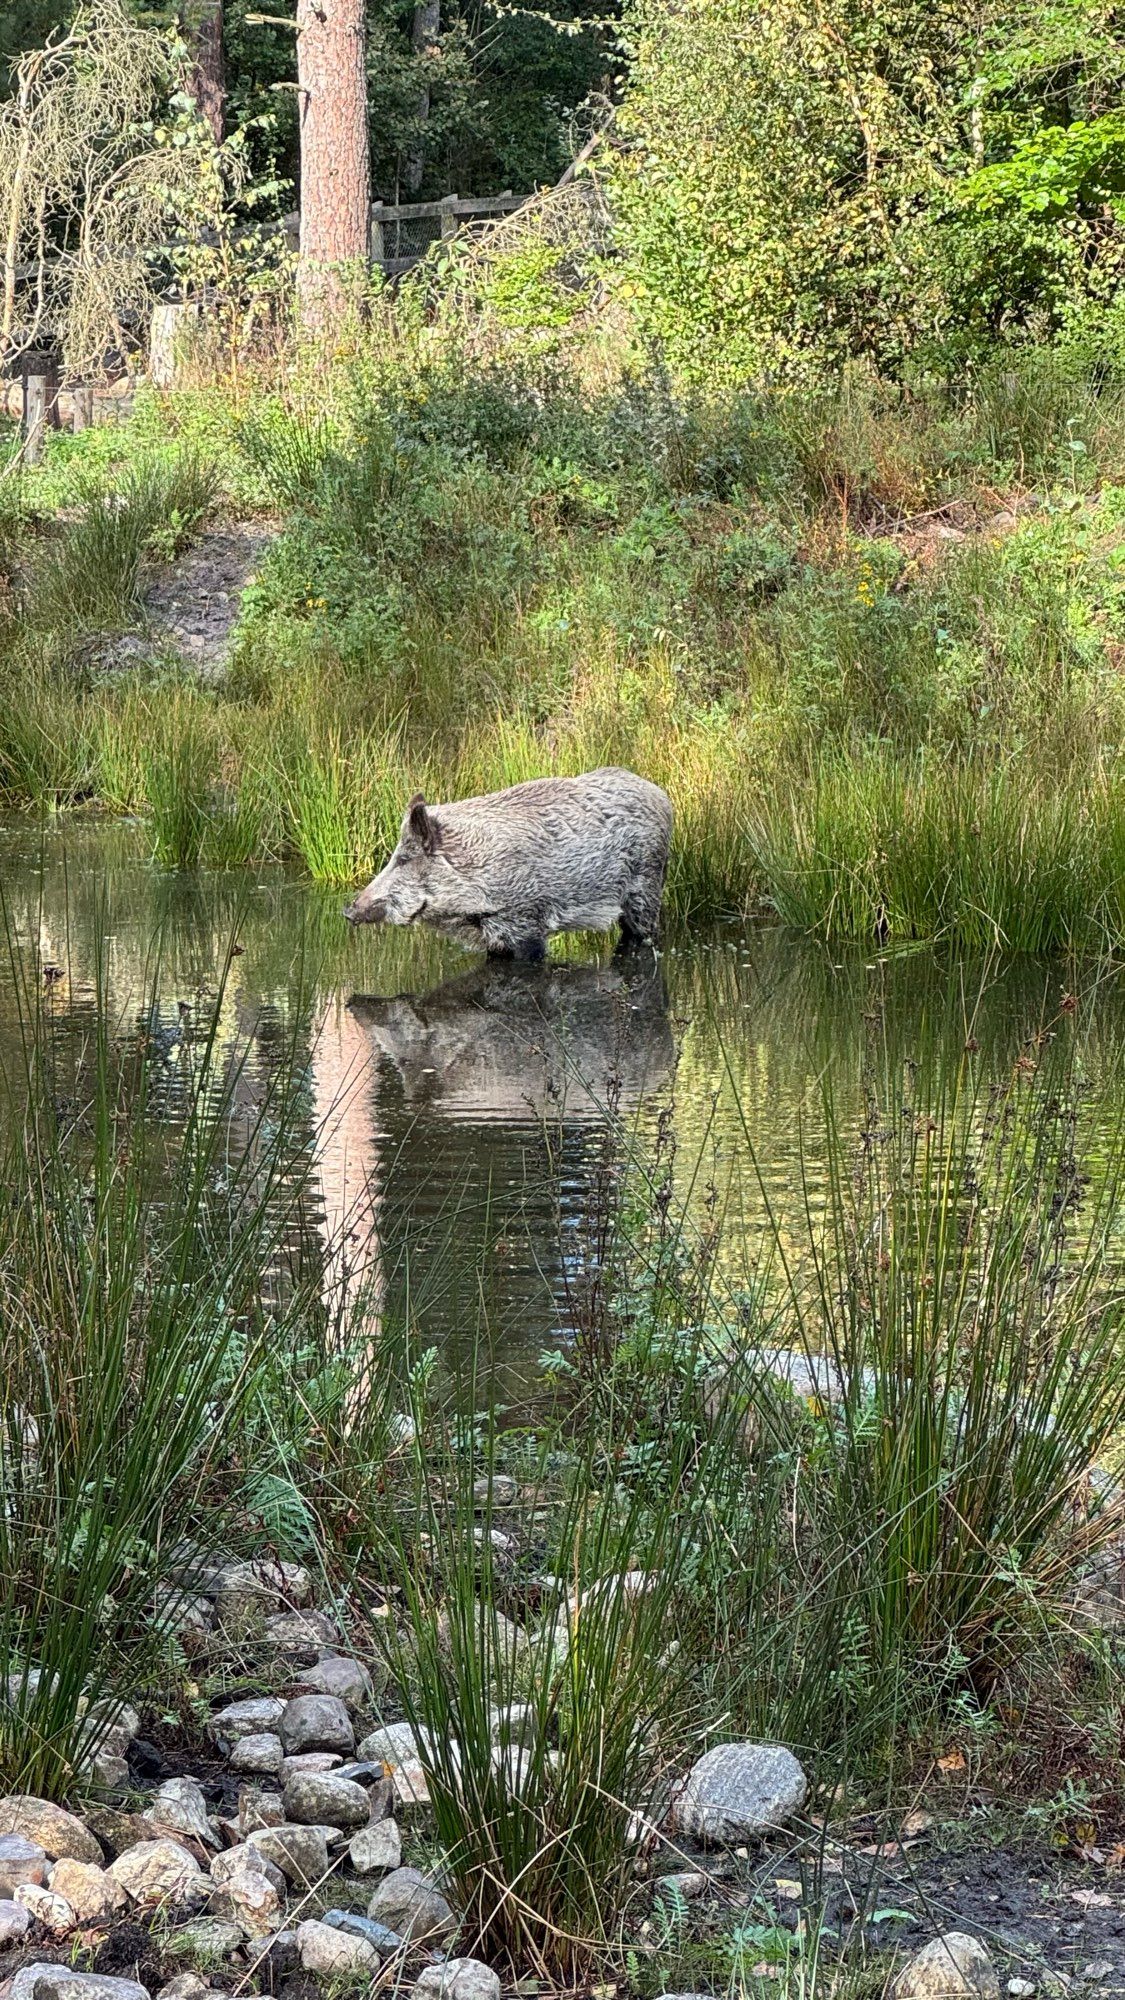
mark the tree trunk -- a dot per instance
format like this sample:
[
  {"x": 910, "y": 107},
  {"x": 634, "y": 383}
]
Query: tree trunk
[
  {"x": 335, "y": 176},
  {"x": 208, "y": 80},
  {"x": 424, "y": 34}
]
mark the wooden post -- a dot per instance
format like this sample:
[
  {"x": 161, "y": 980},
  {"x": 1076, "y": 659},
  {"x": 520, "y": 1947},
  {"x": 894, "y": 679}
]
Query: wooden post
[
  {"x": 40, "y": 386},
  {"x": 375, "y": 239},
  {"x": 169, "y": 341},
  {"x": 448, "y": 218},
  {"x": 81, "y": 406}
]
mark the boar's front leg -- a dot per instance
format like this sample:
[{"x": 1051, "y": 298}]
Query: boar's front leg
[{"x": 511, "y": 939}]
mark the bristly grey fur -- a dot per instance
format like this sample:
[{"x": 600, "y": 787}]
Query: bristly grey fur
[{"x": 504, "y": 872}]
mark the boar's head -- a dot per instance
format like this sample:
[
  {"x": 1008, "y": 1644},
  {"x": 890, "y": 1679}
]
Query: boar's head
[{"x": 421, "y": 882}]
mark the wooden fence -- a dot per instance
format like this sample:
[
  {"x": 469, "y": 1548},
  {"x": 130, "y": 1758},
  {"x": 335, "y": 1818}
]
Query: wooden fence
[{"x": 400, "y": 233}]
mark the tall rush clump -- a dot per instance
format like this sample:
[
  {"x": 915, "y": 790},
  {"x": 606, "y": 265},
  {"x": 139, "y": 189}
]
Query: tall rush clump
[{"x": 140, "y": 1240}]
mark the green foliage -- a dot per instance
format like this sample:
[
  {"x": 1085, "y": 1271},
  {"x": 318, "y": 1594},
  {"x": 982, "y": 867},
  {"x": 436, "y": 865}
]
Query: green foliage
[{"x": 944, "y": 185}]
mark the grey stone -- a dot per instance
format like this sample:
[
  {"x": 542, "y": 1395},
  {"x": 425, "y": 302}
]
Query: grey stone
[
  {"x": 248, "y": 1889},
  {"x": 258, "y": 1809},
  {"x": 61, "y": 1982},
  {"x": 502, "y": 1489},
  {"x": 363, "y": 1772},
  {"x": 234, "y": 1584},
  {"x": 246, "y": 1718},
  {"x": 459, "y": 1979},
  {"x": 739, "y": 1790},
  {"x": 185, "y": 1986},
  {"x": 301, "y": 1852},
  {"x": 105, "y": 1771},
  {"x": 55, "y": 1831},
  {"x": 310, "y": 1763},
  {"x": 179, "y": 1807},
  {"x": 1020, "y": 1989},
  {"x": 407, "y": 1903},
  {"x": 299, "y": 1631},
  {"x": 316, "y": 1722},
  {"x": 386, "y": 1942},
  {"x": 326, "y": 1800},
  {"x": 332, "y": 1953},
  {"x": 182, "y": 1610},
  {"x": 953, "y": 1966},
  {"x": 336, "y": 1675},
  {"x": 14, "y": 1921},
  {"x": 376, "y": 1849},
  {"x": 207, "y": 1940},
  {"x": 160, "y": 1872},
  {"x": 21, "y": 1861},
  {"x": 260, "y": 1754},
  {"x": 53, "y": 1912},
  {"x": 395, "y": 1743}
]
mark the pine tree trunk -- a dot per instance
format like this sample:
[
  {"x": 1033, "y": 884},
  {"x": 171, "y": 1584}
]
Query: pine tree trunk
[
  {"x": 425, "y": 31},
  {"x": 335, "y": 177},
  {"x": 208, "y": 80}
]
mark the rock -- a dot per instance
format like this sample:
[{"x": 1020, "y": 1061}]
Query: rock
[
  {"x": 160, "y": 1871},
  {"x": 182, "y": 1611},
  {"x": 376, "y": 1849},
  {"x": 950, "y": 1967},
  {"x": 117, "y": 1830},
  {"x": 206, "y": 1940},
  {"x": 372, "y": 1777},
  {"x": 300, "y": 1852},
  {"x": 347, "y": 1680},
  {"x": 180, "y": 1807},
  {"x": 738, "y": 1790},
  {"x": 407, "y": 1903},
  {"x": 459, "y": 1979},
  {"x": 246, "y": 1718},
  {"x": 316, "y": 1722},
  {"x": 55, "y": 1831},
  {"x": 258, "y": 1809},
  {"x": 44, "y": 1907},
  {"x": 394, "y": 1744},
  {"x": 299, "y": 1631},
  {"x": 61, "y": 1982},
  {"x": 502, "y": 1491},
  {"x": 310, "y": 1763},
  {"x": 21, "y": 1861},
  {"x": 411, "y": 1787},
  {"x": 106, "y": 1772},
  {"x": 517, "y": 1722},
  {"x": 258, "y": 1753},
  {"x": 185, "y": 1986},
  {"x": 233, "y": 1584},
  {"x": 91, "y": 1892},
  {"x": 314, "y": 1800},
  {"x": 1020, "y": 1989},
  {"x": 386, "y": 1942},
  {"x": 248, "y": 1889},
  {"x": 14, "y": 1921},
  {"x": 225, "y": 1866},
  {"x": 331, "y": 1953},
  {"x": 687, "y": 1883},
  {"x": 279, "y": 1955}
]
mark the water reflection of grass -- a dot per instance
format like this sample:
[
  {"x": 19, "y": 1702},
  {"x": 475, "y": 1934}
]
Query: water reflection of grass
[{"x": 690, "y": 1550}]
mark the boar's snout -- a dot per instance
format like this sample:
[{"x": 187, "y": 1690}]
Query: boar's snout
[{"x": 366, "y": 909}]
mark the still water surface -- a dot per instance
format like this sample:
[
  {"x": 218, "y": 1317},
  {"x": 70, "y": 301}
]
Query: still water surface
[{"x": 457, "y": 1111}]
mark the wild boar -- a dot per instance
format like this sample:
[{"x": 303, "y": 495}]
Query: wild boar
[
  {"x": 502, "y": 873},
  {"x": 504, "y": 1042}
]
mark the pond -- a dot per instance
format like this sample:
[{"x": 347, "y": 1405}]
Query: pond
[{"x": 458, "y": 1111}]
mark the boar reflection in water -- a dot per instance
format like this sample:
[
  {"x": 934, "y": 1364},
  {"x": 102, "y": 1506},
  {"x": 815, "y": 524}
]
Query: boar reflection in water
[{"x": 510, "y": 1041}]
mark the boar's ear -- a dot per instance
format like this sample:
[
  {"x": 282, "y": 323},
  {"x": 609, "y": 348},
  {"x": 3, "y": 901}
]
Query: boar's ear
[{"x": 421, "y": 825}]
